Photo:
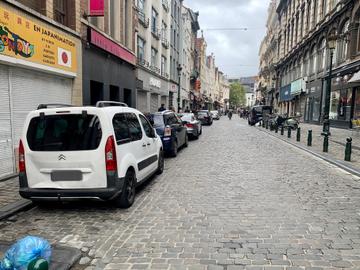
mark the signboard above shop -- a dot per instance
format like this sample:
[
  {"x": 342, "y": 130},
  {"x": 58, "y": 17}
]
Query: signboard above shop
[
  {"x": 27, "y": 42},
  {"x": 112, "y": 47}
]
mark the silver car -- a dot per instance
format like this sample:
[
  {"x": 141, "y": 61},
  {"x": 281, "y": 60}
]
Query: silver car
[
  {"x": 193, "y": 126},
  {"x": 215, "y": 115}
]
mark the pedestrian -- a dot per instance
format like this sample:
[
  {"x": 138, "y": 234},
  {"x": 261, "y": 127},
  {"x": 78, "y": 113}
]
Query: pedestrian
[
  {"x": 162, "y": 108},
  {"x": 171, "y": 108}
]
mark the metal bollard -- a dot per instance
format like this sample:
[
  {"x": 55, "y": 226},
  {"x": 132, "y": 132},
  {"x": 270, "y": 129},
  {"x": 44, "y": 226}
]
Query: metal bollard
[
  {"x": 267, "y": 124},
  {"x": 276, "y": 128},
  {"x": 282, "y": 130},
  {"x": 298, "y": 135},
  {"x": 309, "y": 140},
  {"x": 326, "y": 143},
  {"x": 348, "y": 149},
  {"x": 289, "y": 132},
  {"x": 263, "y": 123}
]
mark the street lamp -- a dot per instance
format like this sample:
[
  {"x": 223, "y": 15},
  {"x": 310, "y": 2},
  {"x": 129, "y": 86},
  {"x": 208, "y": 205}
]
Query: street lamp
[
  {"x": 331, "y": 44},
  {"x": 179, "y": 69}
]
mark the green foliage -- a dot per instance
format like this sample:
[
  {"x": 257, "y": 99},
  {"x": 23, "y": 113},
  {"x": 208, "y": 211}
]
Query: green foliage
[{"x": 237, "y": 95}]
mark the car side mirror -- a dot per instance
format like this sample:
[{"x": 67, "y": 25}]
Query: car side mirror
[{"x": 154, "y": 133}]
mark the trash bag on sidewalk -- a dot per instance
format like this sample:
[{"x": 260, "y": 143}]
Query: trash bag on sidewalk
[{"x": 25, "y": 251}]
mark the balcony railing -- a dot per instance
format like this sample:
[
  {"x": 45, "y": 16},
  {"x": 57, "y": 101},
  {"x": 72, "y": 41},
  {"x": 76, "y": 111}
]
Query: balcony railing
[
  {"x": 143, "y": 62},
  {"x": 165, "y": 43},
  {"x": 154, "y": 69},
  {"x": 165, "y": 4},
  {"x": 156, "y": 33},
  {"x": 165, "y": 75},
  {"x": 142, "y": 19}
]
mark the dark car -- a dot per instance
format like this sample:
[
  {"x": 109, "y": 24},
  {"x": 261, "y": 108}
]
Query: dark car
[
  {"x": 205, "y": 117},
  {"x": 171, "y": 130},
  {"x": 257, "y": 113},
  {"x": 193, "y": 126}
]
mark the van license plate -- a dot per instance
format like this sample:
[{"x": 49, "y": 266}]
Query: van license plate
[{"x": 66, "y": 176}]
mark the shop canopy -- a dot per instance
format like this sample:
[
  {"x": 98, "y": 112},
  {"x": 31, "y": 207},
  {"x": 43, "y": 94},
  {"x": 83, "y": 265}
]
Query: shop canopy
[{"x": 355, "y": 78}]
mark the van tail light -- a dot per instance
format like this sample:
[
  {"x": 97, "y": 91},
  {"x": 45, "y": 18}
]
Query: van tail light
[
  {"x": 110, "y": 155},
  {"x": 22, "y": 168},
  {"x": 189, "y": 125},
  {"x": 167, "y": 132}
]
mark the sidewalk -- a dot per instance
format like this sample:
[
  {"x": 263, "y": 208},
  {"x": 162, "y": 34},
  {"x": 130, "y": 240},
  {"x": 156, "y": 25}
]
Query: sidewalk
[
  {"x": 337, "y": 142},
  {"x": 10, "y": 200}
]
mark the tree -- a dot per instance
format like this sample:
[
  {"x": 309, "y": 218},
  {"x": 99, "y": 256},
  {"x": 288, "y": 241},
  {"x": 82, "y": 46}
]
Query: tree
[{"x": 237, "y": 95}]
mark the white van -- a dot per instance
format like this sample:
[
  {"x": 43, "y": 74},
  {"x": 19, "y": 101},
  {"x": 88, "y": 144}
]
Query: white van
[{"x": 100, "y": 152}]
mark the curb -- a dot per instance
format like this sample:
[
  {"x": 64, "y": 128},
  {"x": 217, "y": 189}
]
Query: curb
[
  {"x": 342, "y": 165},
  {"x": 13, "y": 208}
]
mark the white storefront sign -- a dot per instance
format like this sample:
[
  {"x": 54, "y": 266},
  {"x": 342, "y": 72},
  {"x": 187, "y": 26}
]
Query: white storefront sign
[{"x": 154, "y": 82}]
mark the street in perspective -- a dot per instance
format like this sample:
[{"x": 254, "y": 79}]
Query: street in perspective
[{"x": 172, "y": 134}]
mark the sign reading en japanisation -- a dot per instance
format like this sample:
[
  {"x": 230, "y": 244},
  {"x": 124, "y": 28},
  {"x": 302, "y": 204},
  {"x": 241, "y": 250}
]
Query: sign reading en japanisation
[{"x": 26, "y": 40}]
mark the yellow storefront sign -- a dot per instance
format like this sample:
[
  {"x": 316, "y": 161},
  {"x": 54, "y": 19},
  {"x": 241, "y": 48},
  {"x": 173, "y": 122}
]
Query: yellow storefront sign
[{"x": 27, "y": 40}]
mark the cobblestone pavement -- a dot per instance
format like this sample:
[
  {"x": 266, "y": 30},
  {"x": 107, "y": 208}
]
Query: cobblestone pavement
[
  {"x": 336, "y": 142},
  {"x": 235, "y": 199},
  {"x": 9, "y": 192}
]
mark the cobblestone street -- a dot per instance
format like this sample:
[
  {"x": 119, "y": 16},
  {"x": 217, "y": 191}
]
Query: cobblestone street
[{"x": 235, "y": 199}]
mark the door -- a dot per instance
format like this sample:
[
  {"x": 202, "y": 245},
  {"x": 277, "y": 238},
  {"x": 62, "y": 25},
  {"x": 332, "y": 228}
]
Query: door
[
  {"x": 151, "y": 143},
  {"x": 130, "y": 141},
  {"x": 141, "y": 102},
  {"x": 154, "y": 103},
  {"x": 7, "y": 160}
]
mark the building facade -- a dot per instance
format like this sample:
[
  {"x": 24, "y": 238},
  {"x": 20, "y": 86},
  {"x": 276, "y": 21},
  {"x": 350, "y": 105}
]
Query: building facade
[
  {"x": 40, "y": 62},
  {"x": 304, "y": 59},
  {"x": 108, "y": 42}
]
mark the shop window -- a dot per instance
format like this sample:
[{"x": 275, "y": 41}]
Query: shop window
[
  {"x": 340, "y": 105},
  {"x": 114, "y": 93},
  {"x": 96, "y": 92},
  {"x": 357, "y": 104}
]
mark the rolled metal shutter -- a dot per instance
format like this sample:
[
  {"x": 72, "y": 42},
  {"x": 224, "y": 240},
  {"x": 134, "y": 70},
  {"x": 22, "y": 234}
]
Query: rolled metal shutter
[
  {"x": 7, "y": 160},
  {"x": 154, "y": 103},
  {"x": 31, "y": 88},
  {"x": 142, "y": 101}
]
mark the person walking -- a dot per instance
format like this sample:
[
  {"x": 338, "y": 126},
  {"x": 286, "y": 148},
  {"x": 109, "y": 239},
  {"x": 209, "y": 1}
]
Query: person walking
[
  {"x": 230, "y": 114},
  {"x": 162, "y": 108}
]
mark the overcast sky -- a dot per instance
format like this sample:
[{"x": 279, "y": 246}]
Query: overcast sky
[{"x": 236, "y": 52}]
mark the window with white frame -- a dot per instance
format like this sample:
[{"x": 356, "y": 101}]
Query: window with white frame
[
  {"x": 343, "y": 42},
  {"x": 140, "y": 48},
  {"x": 322, "y": 55},
  {"x": 154, "y": 20},
  {"x": 163, "y": 65},
  {"x": 153, "y": 57}
]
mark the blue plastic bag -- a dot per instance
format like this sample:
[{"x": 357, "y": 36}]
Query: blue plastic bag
[{"x": 24, "y": 251}]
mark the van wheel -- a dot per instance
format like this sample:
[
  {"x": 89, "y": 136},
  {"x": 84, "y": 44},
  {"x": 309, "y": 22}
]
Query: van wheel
[
  {"x": 127, "y": 196},
  {"x": 161, "y": 163},
  {"x": 174, "y": 150}
]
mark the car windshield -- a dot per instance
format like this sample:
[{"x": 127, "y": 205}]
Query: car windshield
[
  {"x": 202, "y": 113},
  {"x": 72, "y": 132},
  {"x": 187, "y": 117},
  {"x": 214, "y": 112}
]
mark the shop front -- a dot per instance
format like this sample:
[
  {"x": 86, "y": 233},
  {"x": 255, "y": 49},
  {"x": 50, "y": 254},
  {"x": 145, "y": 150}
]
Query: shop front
[
  {"x": 38, "y": 65},
  {"x": 285, "y": 99},
  {"x": 153, "y": 92},
  {"x": 113, "y": 77},
  {"x": 312, "y": 110}
]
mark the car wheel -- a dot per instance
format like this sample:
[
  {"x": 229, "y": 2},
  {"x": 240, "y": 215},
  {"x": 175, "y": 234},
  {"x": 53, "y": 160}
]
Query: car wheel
[
  {"x": 161, "y": 163},
  {"x": 127, "y": 196},
  {"x": 174, "y": 150},
  {"x": 186, "y": 144}
]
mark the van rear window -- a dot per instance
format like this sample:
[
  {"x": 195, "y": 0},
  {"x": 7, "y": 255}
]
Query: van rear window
[{"x": 70, "y": 132}]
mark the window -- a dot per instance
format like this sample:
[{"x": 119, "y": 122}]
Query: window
[
  {"x": 343, "y": 43},
  {"x": 141, "y": 5},
  {"x": 313, "y": 57},
  {"x": 307, "y": 26},
  {"x": 163, "y": 65},
  {"x": 60, "y": 8},
  {"x": 153, "y": 57},
  {"x": 314, "y": 19},
  {"x": 141, "y": 48},
  {"x": 126, "y": 128},
  {"x": 112, "y": 17},
  {"x": 149, "y": 131},
  {"x": 306, "y": 64},
  {"x": 163, "y": 30},
  {"x": 71, "y": 132},
  {"x": 154, "y": 19},
  {"x": 322, "y": 55}
]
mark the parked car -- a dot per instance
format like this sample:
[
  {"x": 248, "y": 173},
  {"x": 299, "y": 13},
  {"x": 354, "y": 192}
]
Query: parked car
[
  {"x": 205, "y": 117},
  {"x": 171, "y": 130},
  {"x": 193, "y": 126},
  {"x": 100, "y": 152},
  {"x": 257, "y": 113},
  {"x": 215, "y": 115}
]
